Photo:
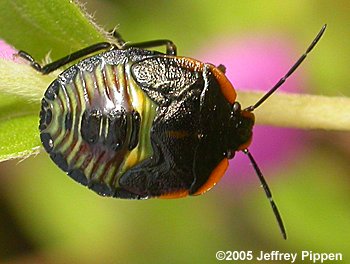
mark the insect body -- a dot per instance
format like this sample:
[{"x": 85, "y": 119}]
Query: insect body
[{"x": 134, "y": 123}]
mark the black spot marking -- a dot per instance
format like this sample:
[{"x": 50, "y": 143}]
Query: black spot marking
[
  {"x": 47, "y": 141},
  {"x": 48, "y": 116},
  {"x": 135, "y": 128},
  {"x": 42, "y": 127},
  {"x": 117, "y": 130},
  {"x": 68, "y": 121},
  {"x": 45, "y": 115},
  {"x": 60, "y": 161},
  {"x": 44, "y": 103},
  {"x": 90, "y": 126},
  {"x": 78, "y": 176},
  {"x": 42, "y": 124},
  {"x": 52, "y": 91},
  {"x": 101, "y": 189}
]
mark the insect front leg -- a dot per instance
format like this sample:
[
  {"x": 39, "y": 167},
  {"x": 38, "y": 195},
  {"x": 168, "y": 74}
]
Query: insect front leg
[{"x": 65, "y": 60}]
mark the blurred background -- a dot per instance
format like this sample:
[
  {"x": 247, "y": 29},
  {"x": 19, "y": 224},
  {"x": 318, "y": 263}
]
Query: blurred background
[{"x": 45, "y": 217}]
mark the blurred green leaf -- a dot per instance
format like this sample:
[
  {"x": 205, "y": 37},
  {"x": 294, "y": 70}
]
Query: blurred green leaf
[
  {"x": 37, "y": 27},
  {"x": 316, "y": 198},
  {"x": 313, "y": 199}
]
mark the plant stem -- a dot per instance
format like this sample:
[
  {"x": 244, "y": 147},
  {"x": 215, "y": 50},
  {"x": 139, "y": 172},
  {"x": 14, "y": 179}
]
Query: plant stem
[
  {"x": 23, "y": 81},
  {"x": 282, "y": 109},
  {"x": 300, "y": 110}
]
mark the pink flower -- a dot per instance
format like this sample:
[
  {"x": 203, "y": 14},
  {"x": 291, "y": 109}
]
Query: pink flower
[
  {"x": 257, "y": 63},
  {"x": 7, "y": 52}
]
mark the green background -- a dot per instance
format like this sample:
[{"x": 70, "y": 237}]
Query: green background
[{"x": 46, "y": 217}]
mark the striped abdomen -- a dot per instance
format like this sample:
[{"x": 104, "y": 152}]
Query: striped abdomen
[{"x": 95, "y": 123}]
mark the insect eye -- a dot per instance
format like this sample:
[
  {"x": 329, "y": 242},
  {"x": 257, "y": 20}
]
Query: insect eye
[{"x": 236, "y": 107}]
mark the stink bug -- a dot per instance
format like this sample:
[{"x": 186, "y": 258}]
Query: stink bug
[{"x": 134, "y": 123}]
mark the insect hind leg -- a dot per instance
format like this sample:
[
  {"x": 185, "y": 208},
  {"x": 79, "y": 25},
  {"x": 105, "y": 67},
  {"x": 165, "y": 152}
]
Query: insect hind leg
[{"x": 169, "y": 45}]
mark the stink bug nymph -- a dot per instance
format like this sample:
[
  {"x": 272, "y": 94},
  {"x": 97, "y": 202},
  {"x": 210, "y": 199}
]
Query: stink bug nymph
[{"x": 134, "y": 123}]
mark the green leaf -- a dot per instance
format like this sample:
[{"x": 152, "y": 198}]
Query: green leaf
[
  {"x": 38, "y": 27},
  {"x": 41, "y": 26}
]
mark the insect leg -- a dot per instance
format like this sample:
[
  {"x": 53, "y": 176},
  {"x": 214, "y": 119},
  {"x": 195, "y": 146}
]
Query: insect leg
[
  {"x": 119, "y": 39},
  {"x": 65, "y": 60},
  {"x": 169, "y": 45}
]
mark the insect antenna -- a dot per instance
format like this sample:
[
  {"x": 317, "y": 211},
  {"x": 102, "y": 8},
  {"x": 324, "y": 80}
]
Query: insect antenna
[
  {"x": 268, "y": 193},
  {"x": 291, "y": 70}
]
